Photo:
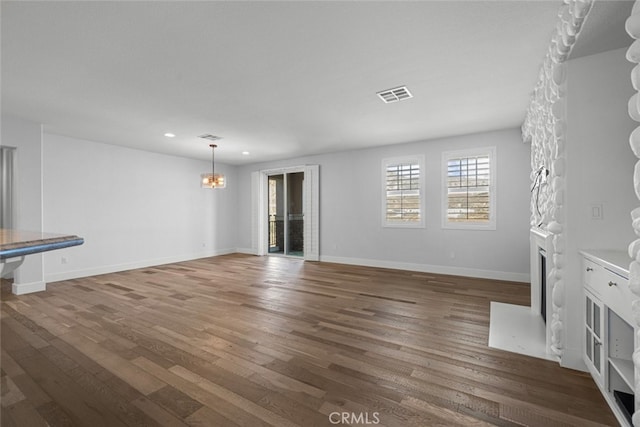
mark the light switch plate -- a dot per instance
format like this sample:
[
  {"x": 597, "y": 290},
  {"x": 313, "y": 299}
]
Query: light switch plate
[{"x": 596, "y": 210}]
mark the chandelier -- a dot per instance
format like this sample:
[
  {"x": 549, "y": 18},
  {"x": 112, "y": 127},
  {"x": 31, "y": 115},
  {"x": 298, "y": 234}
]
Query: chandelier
[{"x": 213, "y": 179}]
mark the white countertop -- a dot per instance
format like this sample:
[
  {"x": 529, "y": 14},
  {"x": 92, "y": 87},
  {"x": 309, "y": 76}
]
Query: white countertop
[
  {"x": 17, "y": 243},
  {"x": 615, "y": 261}
]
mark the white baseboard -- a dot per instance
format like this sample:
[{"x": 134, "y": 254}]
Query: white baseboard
[
  {"x": 427, "y": 268},
  {"x": 27, "y": 288},
  {"x": 115, "y": 268},
  {"x": 424, "y": 268},
  {"x": 247, "y": 251}
]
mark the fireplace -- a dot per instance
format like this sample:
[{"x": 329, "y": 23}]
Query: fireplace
[
  {"x": 521, "y": 329},
  {"x": 541, "y": 246},
  {"x": 543, "y": 284}
]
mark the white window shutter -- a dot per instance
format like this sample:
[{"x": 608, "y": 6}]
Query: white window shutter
[
  {"x": 469, "y": 189},
  {"x": 403, "y": 201}
]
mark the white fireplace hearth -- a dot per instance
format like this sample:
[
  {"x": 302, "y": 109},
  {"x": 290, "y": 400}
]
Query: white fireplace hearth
[{"x": 521, "y": 329}]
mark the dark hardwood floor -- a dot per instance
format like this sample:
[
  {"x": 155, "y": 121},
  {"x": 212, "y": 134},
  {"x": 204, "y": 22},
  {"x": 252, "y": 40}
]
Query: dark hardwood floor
[{"x": 257, "y": 341}]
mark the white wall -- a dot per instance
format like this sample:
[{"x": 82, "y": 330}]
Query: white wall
[
  {"x": 26, "y": 137},
  {"x": 136, "y": 208},
  {"x": 599, "y": 160},
  {"x": 133, "y": 208},
  {"x": 351, "y": 211},
  {"x": 599, "y": 171}
]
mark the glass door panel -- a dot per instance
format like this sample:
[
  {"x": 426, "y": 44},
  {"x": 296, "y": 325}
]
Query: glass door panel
[
  {"x": 276, "y": 214},
  {"x": 295, "y": 226},
  {"x": 286, "y": 214}
]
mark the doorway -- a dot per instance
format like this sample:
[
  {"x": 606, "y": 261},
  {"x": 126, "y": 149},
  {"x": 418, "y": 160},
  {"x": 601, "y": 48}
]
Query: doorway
[
  {"x": 286, "y": 214},
  {"x": 311, "y": 210}
]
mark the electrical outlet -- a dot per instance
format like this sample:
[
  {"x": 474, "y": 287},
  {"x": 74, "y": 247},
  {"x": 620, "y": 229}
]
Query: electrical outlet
[{"x": 596, "y": 210}]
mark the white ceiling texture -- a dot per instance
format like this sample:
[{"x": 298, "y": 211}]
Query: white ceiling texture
[{"x": 279, "y": 79}]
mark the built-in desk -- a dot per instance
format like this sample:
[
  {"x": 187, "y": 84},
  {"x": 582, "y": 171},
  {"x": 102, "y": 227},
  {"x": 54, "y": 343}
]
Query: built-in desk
[{"x": 16, "y": 244}]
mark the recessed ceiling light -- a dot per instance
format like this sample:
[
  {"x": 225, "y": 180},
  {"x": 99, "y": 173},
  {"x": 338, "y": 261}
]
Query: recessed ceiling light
[
  {"x": 245, "y": 153},
  {"x": 170, "y": 135}
]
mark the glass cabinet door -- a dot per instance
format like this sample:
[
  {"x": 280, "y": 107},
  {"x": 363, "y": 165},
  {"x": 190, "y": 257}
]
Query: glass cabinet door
[
  {"x": 597, "y": 319},
  {"x": 593, "y": 349},
  {"x": 597, "y": 355}
]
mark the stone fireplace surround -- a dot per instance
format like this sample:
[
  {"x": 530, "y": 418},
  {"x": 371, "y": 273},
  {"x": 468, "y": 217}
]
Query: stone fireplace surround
[{"x": 545, "y": 128}]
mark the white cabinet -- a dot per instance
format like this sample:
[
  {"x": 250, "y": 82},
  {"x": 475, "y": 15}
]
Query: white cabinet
[{"x": 608, "y": 332}]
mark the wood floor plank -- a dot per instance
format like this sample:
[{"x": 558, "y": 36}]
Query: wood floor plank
[
  {"x": 10, "y": 394},
  {"x": 206, "y": 417},
  {"x": 175, "y": 401},
  {"x": 159, "y": 414},
  {"x": 115, "y": 364},
  {"x": 22, "y": 414},
  {"x": 247, "y": 405},
  {"x": 202, "y": 395},
  {"x": 238, "y": 340}
]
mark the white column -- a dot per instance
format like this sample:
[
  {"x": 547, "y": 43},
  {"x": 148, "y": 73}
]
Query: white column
[{"x": 633, "y": 55}]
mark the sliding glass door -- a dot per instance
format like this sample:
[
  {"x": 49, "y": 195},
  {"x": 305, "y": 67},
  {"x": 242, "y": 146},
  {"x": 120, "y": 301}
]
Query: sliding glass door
[{"x": 285, "y": 210}]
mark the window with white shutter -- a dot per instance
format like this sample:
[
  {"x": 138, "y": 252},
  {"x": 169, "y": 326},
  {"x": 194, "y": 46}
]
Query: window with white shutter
[
  {"x": 469, "y": 200},
  {"x": 403, "y": 183}
]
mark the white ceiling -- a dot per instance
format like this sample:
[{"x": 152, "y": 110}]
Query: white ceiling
[{"x": 278, "y": 79}]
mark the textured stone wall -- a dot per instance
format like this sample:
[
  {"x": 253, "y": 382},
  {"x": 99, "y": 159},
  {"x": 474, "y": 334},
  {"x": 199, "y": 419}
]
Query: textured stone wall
[
  {"x": 633, "y": 55},
  {"x": 545, "y": 128}
]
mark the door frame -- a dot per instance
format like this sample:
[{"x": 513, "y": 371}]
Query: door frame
[
  {"x": 311, "y": 208},
  {"x": 8, "y": 193}
]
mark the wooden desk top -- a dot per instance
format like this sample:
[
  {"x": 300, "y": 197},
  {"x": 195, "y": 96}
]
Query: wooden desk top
[{"x": 14, "y": 243}]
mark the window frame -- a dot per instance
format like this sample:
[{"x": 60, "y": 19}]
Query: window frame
[
  {"x": 467, "y": 153},
  {"x": 413, "y": 159}
]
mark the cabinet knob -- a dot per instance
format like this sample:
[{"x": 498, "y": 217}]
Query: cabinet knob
[
  {"x": 613, "y": 284},
  {"x": 589, "y": 269}
]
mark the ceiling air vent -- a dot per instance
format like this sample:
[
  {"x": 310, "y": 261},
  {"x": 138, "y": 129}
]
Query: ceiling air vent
[
  {"x": 395, "y": 94},
  {"x": 210, "y": 137}
]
